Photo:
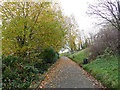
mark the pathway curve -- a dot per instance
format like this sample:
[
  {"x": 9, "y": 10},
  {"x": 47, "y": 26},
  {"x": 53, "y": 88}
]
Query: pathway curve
[{"x": 67, "y": 74}]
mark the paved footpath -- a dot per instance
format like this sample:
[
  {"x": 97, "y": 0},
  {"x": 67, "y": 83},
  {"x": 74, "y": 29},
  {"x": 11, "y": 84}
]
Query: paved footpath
[{"x": 67, "y": 74}]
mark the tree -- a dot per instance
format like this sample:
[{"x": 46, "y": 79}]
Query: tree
[
  {"x": 110, "y": 12},
  {"x": 30, "y": 26},
  {"x": 86, "y": 43},
  {"x": 105, "y": 38},
  {"x": 16, "y": 30},
  {"x": 72, "y": 33},
  {"x": 107, "y": 10},
  {"x": 52, "y": 29},
  {"x": 79, "y": 40}
]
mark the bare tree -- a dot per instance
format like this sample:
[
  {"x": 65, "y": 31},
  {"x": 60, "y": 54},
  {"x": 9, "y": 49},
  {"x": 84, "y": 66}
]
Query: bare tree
[
  {"x": 106, "y": 38},
  {"x": 91, "y": 39},
  {"x": 107, "y": 10}
]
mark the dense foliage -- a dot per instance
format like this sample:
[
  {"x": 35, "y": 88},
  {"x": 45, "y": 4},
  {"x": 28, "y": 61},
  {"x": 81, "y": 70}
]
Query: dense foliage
[
  {"x": 49, "y": 55},
  {"x": 21, "y": 72},
  {"x": 29, "y": 30},
  {"x": 17, "y": 73},
  {"x": 33, "y": 27}
]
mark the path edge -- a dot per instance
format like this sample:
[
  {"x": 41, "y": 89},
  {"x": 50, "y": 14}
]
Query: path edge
[
  {"x": 48, "y": 71},
  {"x": 88, "y": 73}
]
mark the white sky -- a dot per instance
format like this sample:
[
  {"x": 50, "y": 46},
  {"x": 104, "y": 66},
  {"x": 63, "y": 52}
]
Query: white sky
[{"x": 78, "y": 8}]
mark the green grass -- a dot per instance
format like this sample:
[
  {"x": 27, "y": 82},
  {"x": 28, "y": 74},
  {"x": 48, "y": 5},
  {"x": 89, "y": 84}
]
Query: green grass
[
  {"x": 64, "y": 54},
  {"x": 79, "y": 56},
  {"x": 104, "y": 70}
]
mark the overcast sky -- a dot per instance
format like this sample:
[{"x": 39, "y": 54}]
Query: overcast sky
[{"x": 78, "y": 8}]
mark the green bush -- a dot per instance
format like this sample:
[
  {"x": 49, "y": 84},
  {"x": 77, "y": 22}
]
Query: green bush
[
  {"x": 41, "y": 65},
  {"x": 47, "y": 58},
  {"x": 49, "y": 55},
  {"x": 57, "y": 55},
  {"x": 17, "y": 73},
  {"x": 21, "y": 72}
]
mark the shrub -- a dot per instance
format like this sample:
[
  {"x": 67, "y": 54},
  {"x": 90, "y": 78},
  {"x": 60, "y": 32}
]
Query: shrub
[
  {"x": 49, "y": 55},
  {"x": 21, "y": 72},
  {"x": 17, "y": 73},
  {"x": 41, "y": 65},
  {"x": 58, "y": 55}
]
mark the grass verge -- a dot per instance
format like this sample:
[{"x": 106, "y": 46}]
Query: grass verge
[
  {"x": 78, "y": 57},
  {"x": 103, "y": 69},
  {"x": 64, "y": 54}
]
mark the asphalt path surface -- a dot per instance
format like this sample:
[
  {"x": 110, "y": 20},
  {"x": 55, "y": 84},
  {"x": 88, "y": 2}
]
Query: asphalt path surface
[{"x": 67, "y": 74}]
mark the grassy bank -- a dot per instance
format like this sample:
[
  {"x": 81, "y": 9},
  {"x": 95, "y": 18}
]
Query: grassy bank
[
  {"x": 64, "y": 54},
  {"x": 104, "y": 69},
  {"x": 78, "y": 57}
]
